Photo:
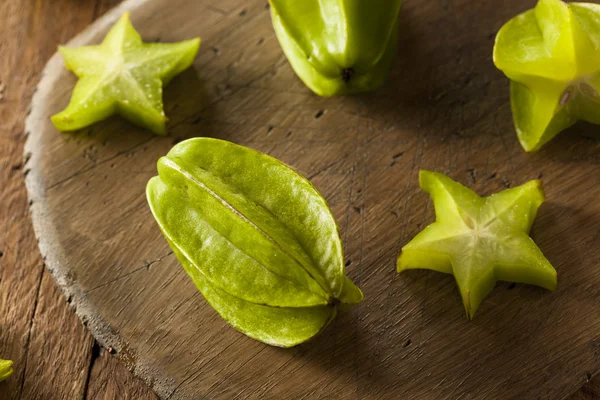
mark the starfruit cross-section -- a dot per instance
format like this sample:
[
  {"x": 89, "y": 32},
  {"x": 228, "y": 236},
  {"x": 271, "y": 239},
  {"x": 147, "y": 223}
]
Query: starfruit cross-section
[
  {"x": 122, "y": 75},
  {"x": 479, "y": 240}
]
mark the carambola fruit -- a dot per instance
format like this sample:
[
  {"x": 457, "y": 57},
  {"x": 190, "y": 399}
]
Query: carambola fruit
[
  {"x": 257, "y": 239},
  {"x": 552, "y": 56},
  {"x": 480, "y": 240},
  {"x": 6, "y": 369},
  {"x": 338, "y": 46},
  {"x": 122, "y": 76}
]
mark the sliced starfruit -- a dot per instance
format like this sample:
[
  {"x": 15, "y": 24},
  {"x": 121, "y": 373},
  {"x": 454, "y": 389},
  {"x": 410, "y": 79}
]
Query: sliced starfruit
[
  {"x": 551, "y": 54},
  {"x": 338, "y": 46},
  {"x": 6, "y": 369},
  {"x": 123, "y": 76},
  {"x": 480, "y": 240},
  {"x": 257, "y": 239}
]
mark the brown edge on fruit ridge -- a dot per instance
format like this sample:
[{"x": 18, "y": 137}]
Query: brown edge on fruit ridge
[{"x": 45, "y": 232}]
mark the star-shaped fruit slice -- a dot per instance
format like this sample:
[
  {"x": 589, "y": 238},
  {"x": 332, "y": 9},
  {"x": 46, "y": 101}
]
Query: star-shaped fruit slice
[
  {"x": 552, "y": 56},
  {"x": 123, "y": 76},
  {"x": 480, "y": 240}
]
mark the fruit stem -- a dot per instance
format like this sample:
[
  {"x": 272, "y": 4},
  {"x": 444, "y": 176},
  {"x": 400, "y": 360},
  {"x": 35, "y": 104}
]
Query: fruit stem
[{"x": 347, "y": 74}]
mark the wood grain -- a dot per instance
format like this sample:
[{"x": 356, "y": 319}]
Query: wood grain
[
  {"x": 108, "y": 382},
  {"x": 442, "y": 103},
  {"x": 589, "y": 391},
  {"x": 49, "y": 345},
  {"x": 451, "y": 114}
]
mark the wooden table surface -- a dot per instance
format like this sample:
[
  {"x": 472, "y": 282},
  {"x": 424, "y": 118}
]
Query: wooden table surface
[{"x": 55, "y": 357}]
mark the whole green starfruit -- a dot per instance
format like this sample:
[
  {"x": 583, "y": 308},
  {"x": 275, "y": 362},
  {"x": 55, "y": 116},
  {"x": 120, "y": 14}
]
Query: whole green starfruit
[
  {"x": 338, "y": 46},
  {"x": 552, "y": 56},
  {"x": 6, "y": 369},
  {"x": 257, "y": 239}
]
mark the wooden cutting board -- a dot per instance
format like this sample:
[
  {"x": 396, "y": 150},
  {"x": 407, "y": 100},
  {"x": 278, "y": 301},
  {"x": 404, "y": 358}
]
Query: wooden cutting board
[{"x": 444, "y": 108}]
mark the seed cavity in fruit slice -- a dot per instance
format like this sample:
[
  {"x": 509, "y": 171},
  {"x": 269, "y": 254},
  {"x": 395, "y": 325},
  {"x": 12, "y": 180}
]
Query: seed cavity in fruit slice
[
  {"x": 551, "y": 54},
  {"x": 479, "y": 240},
  {"x": 123, "y": 76}
]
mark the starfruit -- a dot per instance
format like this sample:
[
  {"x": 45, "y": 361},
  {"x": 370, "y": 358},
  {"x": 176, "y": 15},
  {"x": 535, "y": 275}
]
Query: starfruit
[
  {"x": 123, "y": 75},
  {"x": 552, "y": 56},
  {"x": 480, "y": 240},
  {"x": 6, "y": 369},
  {"x": 338, "y": 46},
  {"x": 256, "y": 237}
]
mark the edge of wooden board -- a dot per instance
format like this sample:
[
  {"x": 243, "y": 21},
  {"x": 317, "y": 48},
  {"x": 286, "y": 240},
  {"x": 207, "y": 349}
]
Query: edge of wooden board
[{"x": 50, "y": 248}]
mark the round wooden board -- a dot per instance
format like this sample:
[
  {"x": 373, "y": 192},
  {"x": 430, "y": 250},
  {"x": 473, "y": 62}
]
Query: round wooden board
[{"x": 444, "y": 108}]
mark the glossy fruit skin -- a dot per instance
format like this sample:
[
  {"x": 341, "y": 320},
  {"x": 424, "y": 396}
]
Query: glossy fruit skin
[
  {"x": 551, "y": 54},
  {"x": 122, "y": 75},
  {"x": 257, "y": 239},
  {"x": 479, "y": 240},
  {"x": 338, "y": 47},
  {"x": 6, "y": 369}
]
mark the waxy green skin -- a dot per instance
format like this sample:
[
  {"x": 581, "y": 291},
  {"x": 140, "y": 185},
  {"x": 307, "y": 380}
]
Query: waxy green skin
[
  {"x": 480, "y": 240},
  {"x": 552, "y": 56},
  {"x": 123, "y": 76},
  {"x": 257, "y": 239},
  {"x": 5, "y": 369},
  {"x": 338, "y": 47}
]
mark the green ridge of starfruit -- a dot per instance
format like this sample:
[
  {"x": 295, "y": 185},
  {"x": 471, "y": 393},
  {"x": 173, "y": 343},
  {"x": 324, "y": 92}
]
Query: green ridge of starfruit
[
  {"x": 479, "y": 240},
  {"x": 124, "y": 76},
  {"x": 6, "y": 369},
  {"x": 551, "y": 54},
  {"x": 338, "y": 47},
  {"x": 256, "y": 237}
]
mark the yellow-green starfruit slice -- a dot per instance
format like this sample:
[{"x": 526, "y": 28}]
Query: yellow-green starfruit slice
[
  {"x": 6, "y": 369},
  {"x": 551, "y": 54},
  {"x": 123, "y": 76},
  {"x": 480, "y": 240},
  {"x": 256, "y": 237},
  {"x": 338, "y": 47}
]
